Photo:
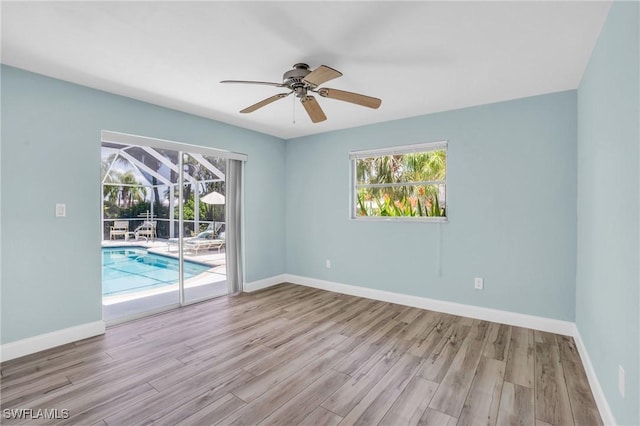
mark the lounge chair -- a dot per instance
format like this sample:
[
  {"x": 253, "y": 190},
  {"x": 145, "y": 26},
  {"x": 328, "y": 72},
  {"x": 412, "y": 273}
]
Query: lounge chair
[
  {"x": 120, "y": 227},
  {"x": 147, "y": 230},
  {"x": 203, "y": 241},
  {"x": 176, "y": 241},
  {"x": 195, "y": 244}
]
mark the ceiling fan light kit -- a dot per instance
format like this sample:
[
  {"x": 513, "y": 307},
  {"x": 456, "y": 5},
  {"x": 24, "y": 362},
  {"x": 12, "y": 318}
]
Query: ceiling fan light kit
[{"x": 300, "y": 81}]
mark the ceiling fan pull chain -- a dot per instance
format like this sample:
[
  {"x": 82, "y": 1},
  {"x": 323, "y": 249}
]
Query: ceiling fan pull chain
[{"x": 294, "y": 110}]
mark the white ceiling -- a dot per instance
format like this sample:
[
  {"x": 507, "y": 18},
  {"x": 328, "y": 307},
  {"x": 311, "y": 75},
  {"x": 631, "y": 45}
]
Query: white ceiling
[{"x": 418, "y": 57}]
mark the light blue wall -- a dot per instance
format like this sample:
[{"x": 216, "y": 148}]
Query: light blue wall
[
  {"x": 608, "y": 280},
  {"x": 511, "y": 204},
  {"x": 51, "y": 153}
]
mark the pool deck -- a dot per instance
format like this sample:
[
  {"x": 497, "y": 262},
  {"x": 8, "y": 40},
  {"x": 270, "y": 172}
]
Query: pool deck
[{"x": 160, "y": 246}]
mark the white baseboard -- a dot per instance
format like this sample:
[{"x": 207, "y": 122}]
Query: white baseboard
[
  {"x": 594, "y": 383},
  {"x": 487, "y": 314},
  {"x": 267, "y": 282},
  {"x": 39, "y": 343}
]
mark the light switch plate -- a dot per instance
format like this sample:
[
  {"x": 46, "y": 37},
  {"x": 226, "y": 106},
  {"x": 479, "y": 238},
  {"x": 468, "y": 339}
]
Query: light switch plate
[
  {"x": 61, "y": 210},
  {"x": 478, "y": 283}
]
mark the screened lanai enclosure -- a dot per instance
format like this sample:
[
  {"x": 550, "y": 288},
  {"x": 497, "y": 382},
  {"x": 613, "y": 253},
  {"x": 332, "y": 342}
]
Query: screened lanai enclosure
[
  {"x": 163, "y": 242},
  {"x": 140, "y": 184}
]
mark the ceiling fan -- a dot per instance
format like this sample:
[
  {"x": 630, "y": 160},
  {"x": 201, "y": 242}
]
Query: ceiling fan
[{"x": 300, "y": 81}]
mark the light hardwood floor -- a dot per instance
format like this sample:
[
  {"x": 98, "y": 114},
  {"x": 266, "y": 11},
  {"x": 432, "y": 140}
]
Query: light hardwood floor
[{"x": 293, "y": 355}]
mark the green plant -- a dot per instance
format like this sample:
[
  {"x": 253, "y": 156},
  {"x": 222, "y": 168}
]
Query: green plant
[{"x": 404, "y": 207}]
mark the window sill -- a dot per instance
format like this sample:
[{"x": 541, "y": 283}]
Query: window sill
[{"x": 419, "y": 219}]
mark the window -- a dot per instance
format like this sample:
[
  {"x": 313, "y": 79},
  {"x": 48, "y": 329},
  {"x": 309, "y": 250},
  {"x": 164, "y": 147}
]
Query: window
[{"x": 401, "y": 183}]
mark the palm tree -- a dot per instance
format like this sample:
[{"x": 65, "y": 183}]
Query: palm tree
[
  {"x": 384, "y": 169},
  {"x": 112, "y": 191},
  {"x": 128, "y": 193},
  {"x": 110, "y": 188},
  {"x": 426, "y": 166}
]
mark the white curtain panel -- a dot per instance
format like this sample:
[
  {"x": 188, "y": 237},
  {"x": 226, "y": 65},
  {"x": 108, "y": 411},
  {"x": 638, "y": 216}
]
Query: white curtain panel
[{"x": 233, "y": 232}]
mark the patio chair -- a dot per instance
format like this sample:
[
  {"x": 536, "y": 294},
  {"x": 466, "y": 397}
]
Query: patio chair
[
  {"x": 146, "y": 230},
  {"x": 120, "y": 227}
]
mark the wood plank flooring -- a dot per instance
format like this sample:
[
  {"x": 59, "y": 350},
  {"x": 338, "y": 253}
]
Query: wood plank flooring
[{"x": 292, "y": 355}]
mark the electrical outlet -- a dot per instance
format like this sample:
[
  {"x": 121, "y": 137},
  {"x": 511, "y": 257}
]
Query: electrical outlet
[
  {"x": 478, "y": 283},
  {"x": 621, "y": 380},
  {"x": 328, "y": 264}
]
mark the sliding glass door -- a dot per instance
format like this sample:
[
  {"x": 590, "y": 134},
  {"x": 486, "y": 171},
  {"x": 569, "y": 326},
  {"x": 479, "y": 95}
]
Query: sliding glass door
[
  {"x": 204, "y": 227},
  {"x": 166, "y": 246},
  {"x": 140, "y": 266}
]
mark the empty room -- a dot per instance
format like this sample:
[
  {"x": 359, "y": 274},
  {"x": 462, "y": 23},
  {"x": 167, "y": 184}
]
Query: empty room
[{"x": 320, "y": 213}]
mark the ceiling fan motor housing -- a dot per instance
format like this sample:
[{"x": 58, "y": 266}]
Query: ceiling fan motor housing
[{"x": 293, "y": 79}]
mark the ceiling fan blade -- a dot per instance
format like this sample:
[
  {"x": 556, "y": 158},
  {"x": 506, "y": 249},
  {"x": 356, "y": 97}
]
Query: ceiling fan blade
[
  {"x": 313, "y": 109},
  {"x": 267, "y": 83},
  {"x": 321, "y": 75},
  {"x": 265, "y": 102},
  {"x": 354, "y": 98}
]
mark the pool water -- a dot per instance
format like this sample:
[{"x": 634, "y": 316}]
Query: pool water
[{"x": 131, "y": 269}]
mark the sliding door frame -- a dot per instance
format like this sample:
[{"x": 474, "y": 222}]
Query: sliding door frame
[
  {"x": 181, "y": 149},
  {"x": 127, "y": 139}
]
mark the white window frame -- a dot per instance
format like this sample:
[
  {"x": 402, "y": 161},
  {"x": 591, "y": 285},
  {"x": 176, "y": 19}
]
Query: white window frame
[{"x": 395, "y": 150}]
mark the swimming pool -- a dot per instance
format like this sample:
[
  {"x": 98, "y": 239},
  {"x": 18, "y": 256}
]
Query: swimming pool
[{"x": 131, "y": 269}]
